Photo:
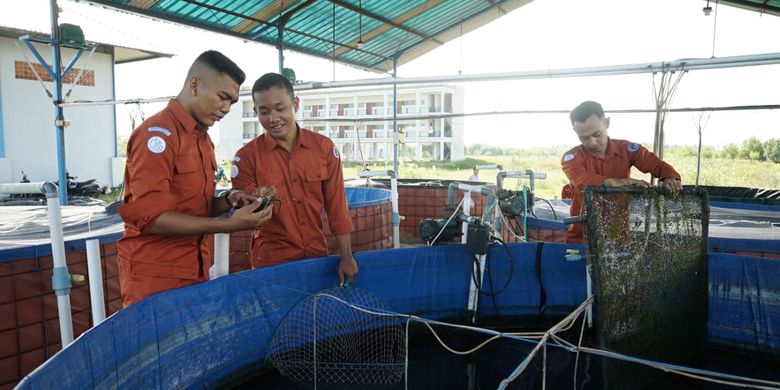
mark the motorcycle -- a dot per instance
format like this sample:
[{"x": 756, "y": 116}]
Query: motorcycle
[{"x": 90, "y": 188}]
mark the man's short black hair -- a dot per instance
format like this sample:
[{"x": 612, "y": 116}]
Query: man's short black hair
[
  {"x": 270, "y": 80},
  {"x": 219, "y": 62},
  {"x": 585, "y": 110}
]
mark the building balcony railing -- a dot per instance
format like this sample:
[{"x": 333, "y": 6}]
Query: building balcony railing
[{"x": 408, "y": 109}]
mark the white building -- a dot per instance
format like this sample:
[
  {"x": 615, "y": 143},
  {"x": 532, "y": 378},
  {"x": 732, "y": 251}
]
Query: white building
[
  {"x": 359, "y": 121},
  {"x": 28, "y": 140}
]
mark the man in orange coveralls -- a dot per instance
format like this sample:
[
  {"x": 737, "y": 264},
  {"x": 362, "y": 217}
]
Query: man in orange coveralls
[
  {"x": 601, "y": 160},
  {"x": 169, "y": 197},
  {"x": 305, "y": 169}
]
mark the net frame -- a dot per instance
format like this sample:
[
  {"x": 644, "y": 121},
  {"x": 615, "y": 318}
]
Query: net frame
[
  {"x": 638, "y": 298},
  {"x": 340, "y": 336}
]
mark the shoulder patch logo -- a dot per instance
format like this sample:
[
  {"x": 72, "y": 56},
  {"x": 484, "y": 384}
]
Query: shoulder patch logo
[
  {"x": 336, "y": 152},
  {"x": 156, "y": 144},
  {"x": 234, "y": 171},
  {"x": 160, "y": 130},
  {"x": 632, "y": 147},
  {"x": 569, "y": 156}
]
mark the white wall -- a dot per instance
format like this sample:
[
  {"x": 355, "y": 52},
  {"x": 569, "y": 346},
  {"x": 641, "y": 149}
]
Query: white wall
[
  {"x": 458, "y": 105},
  {"x": 28, "y": 115},
  {"x": 231, "y": 130}
]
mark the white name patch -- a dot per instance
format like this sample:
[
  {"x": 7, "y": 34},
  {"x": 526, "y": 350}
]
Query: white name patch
[{"x": 160, "y": 130}]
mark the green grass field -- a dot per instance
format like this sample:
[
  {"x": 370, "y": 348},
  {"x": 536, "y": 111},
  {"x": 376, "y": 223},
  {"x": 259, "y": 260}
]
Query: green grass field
[{"x": 714, "y": 171}]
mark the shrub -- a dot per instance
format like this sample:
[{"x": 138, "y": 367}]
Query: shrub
[
  {"x": 752, "y": 149},
  {"x": 772, "y": 150}
]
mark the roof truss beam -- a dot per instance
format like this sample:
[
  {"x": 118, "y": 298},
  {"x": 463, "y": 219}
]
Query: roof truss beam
[{"x": 387, "y": 24}]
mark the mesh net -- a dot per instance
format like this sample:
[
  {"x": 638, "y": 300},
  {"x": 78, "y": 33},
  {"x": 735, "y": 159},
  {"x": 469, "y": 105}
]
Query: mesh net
[
  {"x": 29, "y": 225},
  {"x": 330, "y": 338},
  {"x": 648, "y": 261}
]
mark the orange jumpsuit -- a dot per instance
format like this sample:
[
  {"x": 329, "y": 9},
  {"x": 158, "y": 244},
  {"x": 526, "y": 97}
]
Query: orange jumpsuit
[
  {"x": 170, "y": 167},
  {"x": 308, "y": 179},
  {"x": 585, "y": 169}
]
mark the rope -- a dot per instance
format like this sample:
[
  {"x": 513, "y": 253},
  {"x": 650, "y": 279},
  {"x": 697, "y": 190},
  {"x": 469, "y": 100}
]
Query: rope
[
  {"x": 448, "y": 221},
  {"x": 81, "y": 73},
  {"x": 563, "y": 325}
]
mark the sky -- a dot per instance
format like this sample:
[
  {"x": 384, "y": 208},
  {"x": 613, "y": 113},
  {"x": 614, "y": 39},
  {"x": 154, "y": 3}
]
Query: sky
[{"x": 545, "y": 34}]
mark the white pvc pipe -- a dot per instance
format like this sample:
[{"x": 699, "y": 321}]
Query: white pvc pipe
[
  {"x": 22, "y": 188},
  {"x": 95, "y": 273},
  {"x": 58, "y": 256},
  {"x": 221, "y": 265},
  {"x": 473, "y": 290},
  {"x": 589, "y": 292},
  {"x": 396, "y": 224},
  {"x": 650, "y": 67},
  {"x": 393, "y": 199},
  {"x": 466, "y": 210}
]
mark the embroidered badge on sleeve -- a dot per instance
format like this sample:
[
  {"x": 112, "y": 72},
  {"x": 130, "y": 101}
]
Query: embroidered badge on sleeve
[{"x": 156, "y": 144}]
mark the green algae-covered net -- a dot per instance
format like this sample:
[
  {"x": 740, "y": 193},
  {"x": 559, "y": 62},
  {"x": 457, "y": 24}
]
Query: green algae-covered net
[{"x": 647, "y": 252}]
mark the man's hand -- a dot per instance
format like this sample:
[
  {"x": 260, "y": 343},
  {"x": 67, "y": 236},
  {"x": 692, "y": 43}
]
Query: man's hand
[
  {"x": 245, "y": 217},
  {"x": 673, "y": 185},
  {"x": 348, "y": 268},
  {"x": 239, "y": 199}
]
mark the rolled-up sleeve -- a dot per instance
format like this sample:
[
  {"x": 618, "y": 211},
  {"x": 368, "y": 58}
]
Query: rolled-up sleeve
[
  {"x": 148, "y": 175},
  {"x": 648, "y": 162}
]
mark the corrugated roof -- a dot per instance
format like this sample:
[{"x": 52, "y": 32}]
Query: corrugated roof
[
  {"x": 122, "y": 54},
  {"x": 763, "y": 6},
  {"x": 368, "y": 34}
]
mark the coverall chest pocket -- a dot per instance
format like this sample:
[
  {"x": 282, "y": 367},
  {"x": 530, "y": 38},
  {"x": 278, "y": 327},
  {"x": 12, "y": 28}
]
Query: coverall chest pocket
[
  {"x": 188, "y": 176},
  {"x": 315, "y": 180}
]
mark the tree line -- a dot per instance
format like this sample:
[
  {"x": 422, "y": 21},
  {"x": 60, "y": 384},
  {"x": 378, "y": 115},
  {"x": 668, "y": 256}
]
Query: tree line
[{"x": 750, "y": 149}]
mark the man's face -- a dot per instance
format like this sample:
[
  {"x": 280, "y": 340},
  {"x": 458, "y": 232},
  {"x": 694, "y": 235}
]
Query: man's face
[
  {"x": 593, "y": 134},
  {"x": 276, "y": 109},
  {"x": 213, "y": 96}
]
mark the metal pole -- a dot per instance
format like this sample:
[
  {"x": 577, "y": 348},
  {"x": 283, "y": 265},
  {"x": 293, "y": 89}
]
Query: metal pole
[
  {"x": 395, "y": 117},
  {"x": 59, "y": 117},
  {"x": 281, "y": 48},
  {"x": 650, "y": 67}
]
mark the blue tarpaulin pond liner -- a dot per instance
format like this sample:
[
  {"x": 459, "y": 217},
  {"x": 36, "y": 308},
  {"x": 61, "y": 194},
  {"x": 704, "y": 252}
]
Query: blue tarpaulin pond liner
[
  {"x": 364, "y": 197},
  {"x": 213, "y": 334}
]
